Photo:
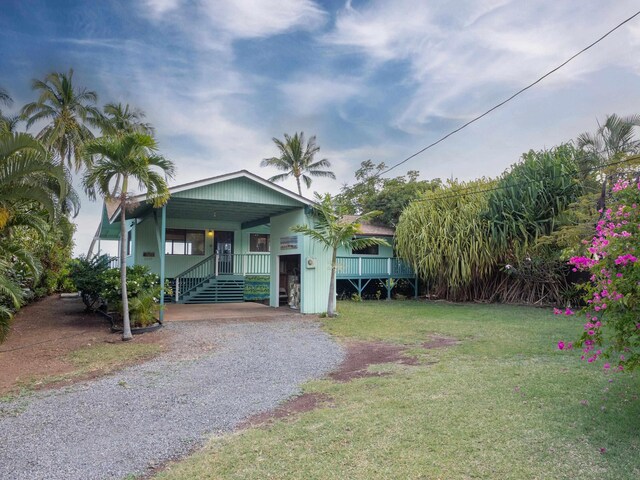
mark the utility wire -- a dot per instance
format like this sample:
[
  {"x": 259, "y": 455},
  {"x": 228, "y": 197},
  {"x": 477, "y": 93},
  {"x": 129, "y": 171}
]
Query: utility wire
[
  {"x": 472, "y": 191},
  {"x": 522, "y": 90}
]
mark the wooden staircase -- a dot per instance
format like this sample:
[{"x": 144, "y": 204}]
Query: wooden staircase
[{"x": 223, "y": 289}]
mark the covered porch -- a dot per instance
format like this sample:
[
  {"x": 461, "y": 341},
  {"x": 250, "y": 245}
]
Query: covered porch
[{"x": 212, "y": 240}]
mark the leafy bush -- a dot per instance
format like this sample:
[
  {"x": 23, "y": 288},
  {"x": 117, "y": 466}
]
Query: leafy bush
[
  {"x": 87, "y": 277},
  {"x": 612, "y": 328},
  {"x": 143, "y": 290}
]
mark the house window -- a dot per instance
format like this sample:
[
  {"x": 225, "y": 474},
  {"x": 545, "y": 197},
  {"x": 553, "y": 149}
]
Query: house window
[
  {"x": 371, "y": 250},
  {"x": 259, "y": 242},
  {"x": 129, "y": 242},
  {"x": 184, "y": 242}
]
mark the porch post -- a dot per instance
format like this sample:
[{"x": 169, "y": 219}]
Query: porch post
[{"x": 163, "y": 237}]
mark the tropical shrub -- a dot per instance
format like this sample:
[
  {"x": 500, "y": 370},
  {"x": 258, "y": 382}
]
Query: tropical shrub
[
  {"x": 143, "y": 293},
  {"x": 612, "y": 311},
  {"x": 87, "y": 277},
  {"x": 445, "y": 237},
  {"x": 531, "y": 196}
]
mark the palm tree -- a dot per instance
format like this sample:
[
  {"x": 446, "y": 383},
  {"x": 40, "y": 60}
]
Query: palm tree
[
  {"x": 612, "y": 141},
  {"x": 33, "y": 189},
  {"x": 7, "y": 124},
  {"x": 331, "y": 231},
  {"x": 131, "y": 156},
  {"x": 69, "y": 110},
  {"x": 5, "y": 98},
  {"x": 296, "y": 159},
  {"x": 119, "y": 119}
]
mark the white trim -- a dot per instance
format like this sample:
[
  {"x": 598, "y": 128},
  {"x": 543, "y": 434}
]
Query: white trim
[{"x": 223, "y": 178}]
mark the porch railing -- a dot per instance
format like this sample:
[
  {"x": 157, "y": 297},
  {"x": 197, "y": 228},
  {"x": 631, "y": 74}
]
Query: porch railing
[
  {"x": 370, "y": 267},
  {"x": 218, "y": 265}
]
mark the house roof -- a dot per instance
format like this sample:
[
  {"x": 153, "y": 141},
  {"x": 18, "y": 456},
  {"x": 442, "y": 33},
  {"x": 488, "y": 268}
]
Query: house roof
[
  {"x": 113, "y": 209},
  {"x": 367, "y": 228}
]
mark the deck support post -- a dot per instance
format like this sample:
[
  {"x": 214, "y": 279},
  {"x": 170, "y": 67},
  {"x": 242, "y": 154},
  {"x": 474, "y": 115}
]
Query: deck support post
[
  {"x": 360, "y": 287},
  {"x": 389, "y": 287},
  {"x": 163, "y": 237},
  {"x": 415, "y": 287}
]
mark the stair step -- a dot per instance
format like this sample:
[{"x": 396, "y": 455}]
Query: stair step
[{"x": 217, "y": 291}]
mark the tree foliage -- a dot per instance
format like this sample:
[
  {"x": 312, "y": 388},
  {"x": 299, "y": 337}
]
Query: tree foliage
[
  {"x": 68, "y": 111},
  {"x": 445, "y": 237},
  {"x": 297, "y": 160},
  {"x": 531, "y": 196},
  {"x": 332, "y": 231},
  {"x": 374, "y": 192},
  {"x": 129, "y": 157}
]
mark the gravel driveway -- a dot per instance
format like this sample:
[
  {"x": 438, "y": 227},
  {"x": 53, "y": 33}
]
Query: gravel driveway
[{"x": 150, "y": 413}]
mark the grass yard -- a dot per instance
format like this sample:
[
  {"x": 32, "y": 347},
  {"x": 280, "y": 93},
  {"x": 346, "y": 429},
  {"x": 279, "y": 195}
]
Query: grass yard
[
  {"x": 88, "y": 362},
  {"x": 502, "y": 404}
]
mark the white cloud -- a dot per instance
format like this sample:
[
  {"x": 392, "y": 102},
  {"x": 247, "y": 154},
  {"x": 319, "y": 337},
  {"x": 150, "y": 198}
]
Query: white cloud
[
  {"x": 480, "y": 52},
  {"x": 211, "y": 23},
  {"x": 157, "y": 8},
  {"x": 313, "y": 94}
]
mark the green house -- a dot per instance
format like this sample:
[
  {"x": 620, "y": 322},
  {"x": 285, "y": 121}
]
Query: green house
[{"x": 228, "y": 239}]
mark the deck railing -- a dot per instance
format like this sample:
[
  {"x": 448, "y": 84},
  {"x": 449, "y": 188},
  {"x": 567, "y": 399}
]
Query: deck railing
[
  {"x": 370, "y": 267},
  {"x": 217, "y": 265}
]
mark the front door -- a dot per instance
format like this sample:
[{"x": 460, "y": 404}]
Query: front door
[{"x": 223, "y": 247}]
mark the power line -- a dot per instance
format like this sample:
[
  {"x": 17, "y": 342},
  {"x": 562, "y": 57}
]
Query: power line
[
  {"x": 472, "y": 191},
  {"x": 522, "y": 90}
]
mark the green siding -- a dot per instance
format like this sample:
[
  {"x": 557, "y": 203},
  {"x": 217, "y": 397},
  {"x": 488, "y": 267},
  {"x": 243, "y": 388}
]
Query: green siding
[
  {"x": 239, "y": 190},
  {"x": 146, "y": 241},
  {"x": 383, "y": 251}
]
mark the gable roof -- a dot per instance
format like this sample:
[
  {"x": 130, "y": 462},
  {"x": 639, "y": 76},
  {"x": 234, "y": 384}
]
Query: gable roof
[
  {"x": 367, "y": 228},
  {"x": 185, "y": 187}
]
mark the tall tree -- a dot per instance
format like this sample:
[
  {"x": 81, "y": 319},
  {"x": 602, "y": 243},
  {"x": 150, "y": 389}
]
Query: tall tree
[
  {"x": 33, "y": 192},
  {"x": 331, "y": 231},
  {"x": 297, "y": 160},
  {"x": 131, "y": 157},
  {"x": 68, "y": 111},
  {"x": 119, "y": 119},
  {"x": 5, "y": 98},
  {"x": 390, "y": 195},
  {"x": 612, "y": 141},
  {"x": 7, "y": 124}
]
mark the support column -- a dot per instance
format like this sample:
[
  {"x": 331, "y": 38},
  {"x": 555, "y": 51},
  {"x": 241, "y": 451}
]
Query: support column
[
  {"x": 163, "y": 237},
  {"x": 415, "y": 287}
]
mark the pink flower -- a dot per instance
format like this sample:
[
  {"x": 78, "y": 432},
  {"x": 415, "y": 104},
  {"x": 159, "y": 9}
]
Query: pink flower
[
  {"x": 560, "y": 345},
  {"x": 557, "y": 311},
  {"x": 568, "y": 311},
  {"x": 607, "y": 366}
]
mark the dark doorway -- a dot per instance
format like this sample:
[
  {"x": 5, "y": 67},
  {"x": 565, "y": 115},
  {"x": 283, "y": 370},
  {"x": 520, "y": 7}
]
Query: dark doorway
[
  {"x": 223, "y": 247},
  {"x": 289, "y": 280}
]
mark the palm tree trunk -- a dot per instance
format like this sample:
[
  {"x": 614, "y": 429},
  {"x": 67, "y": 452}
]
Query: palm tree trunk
[
  {"x": 298, "y": 182},
  {"x": 126, "y": 324},
  {"x": 331, "y": 306}
]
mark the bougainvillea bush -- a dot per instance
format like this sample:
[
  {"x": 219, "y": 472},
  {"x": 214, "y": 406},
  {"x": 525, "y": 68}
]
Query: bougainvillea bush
[{"x": 612, "y": 330}]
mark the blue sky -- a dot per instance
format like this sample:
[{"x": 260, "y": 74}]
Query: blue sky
[{"x": 372, "y": 79}]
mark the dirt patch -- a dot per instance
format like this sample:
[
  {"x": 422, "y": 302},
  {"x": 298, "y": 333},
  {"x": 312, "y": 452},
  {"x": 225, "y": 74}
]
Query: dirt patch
[
  {"x": 42, "y": 336},
  {"x": 362, "y": 354},
  {"x": 300, "y": 404},
  {"x": 440, "y": 342}
]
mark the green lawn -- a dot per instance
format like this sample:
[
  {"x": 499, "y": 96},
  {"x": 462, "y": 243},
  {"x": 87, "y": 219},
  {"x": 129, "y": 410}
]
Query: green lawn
[{"x": 503, "y": 404}]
